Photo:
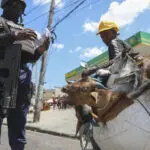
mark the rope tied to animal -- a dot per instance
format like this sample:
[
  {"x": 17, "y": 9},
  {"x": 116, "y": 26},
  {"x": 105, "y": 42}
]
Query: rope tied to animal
[
  {"x": 135, "y": 94},
  {"x": 140, "y": 90}
]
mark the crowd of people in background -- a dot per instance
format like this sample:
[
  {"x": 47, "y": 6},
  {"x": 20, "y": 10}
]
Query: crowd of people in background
[{"x": 55, "y": 103}]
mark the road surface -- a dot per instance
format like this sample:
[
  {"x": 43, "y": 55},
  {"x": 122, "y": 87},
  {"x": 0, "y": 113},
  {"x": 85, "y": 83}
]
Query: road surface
[{"x": 39, "y": 141}]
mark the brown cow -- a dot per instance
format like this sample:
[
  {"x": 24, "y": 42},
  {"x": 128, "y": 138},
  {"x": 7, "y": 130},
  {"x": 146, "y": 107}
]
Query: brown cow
[{"x": 108, "y": 103}]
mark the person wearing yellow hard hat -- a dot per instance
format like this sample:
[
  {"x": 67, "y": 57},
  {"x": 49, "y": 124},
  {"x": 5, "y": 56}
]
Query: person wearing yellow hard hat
[
  {"x": 108, "y": 32},
  {"x": 107, "y": 25}
]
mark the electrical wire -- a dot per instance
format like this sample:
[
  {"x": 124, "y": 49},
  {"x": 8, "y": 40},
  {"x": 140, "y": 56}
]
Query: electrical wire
[
  {"x": 36, "y": 18},
  {"x": 66, "y": 6},
  {"x": 93, "y": 3},
  {"x": 87, "y": 5},
  {"x": 68, "y": 14},
  {"x": 148, "y": 112},
  {"x": 32, "y": 9},
  {"x": 40, "y": 16}
]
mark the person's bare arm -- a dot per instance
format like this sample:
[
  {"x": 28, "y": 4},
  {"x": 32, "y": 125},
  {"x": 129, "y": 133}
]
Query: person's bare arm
[{"x": 94, "y": 115}]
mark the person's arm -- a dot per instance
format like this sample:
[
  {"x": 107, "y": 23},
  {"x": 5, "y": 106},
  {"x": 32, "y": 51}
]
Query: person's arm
[
  {"x": 36, "y": 56},
  {"x": 114, "y": 49},
  {"x": 95, "y": 117},
  {"x": 39, "y": 51},
  {"x": 117, "y": 47},
  {"x": 9, "y": 37}
]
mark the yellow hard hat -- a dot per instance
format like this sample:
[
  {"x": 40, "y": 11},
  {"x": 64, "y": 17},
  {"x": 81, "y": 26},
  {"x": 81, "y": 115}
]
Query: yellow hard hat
[{"x": 107, "y": 25}]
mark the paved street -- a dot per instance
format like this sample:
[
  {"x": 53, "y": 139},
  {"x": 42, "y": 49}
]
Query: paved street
[
  {"x": 60, "y": 121},
  {"x": 38, "y": 141},
  {"x": 130, "y": 127}
]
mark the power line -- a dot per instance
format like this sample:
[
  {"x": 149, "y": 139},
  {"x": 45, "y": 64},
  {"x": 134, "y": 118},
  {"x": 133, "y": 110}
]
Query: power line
[
  {"x": 87, "y": 5},
  {"x": 29, "y": 22},
  {"x": 80, "y": 9},
  {"x": 61, "y": 12},
  {"x": 68, "y": 14},
  {"x": 67, "y": 6},
  {"x": 61, "y": 2},
  {"x": 93, "y": 3},
  {"x": 32, "y": 9},
  {"x": 36, "y": 18}
]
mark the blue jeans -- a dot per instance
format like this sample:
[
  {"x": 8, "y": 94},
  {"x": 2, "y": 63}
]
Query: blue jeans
[
  {"x": 16, "y": 127},
  {"x": 87, "y": 129}
]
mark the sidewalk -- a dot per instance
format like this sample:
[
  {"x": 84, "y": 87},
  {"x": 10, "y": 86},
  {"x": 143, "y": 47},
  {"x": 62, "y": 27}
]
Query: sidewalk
[{"x": 56, "y": 122}]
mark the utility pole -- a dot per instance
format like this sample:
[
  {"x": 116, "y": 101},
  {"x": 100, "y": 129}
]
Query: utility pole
[
  {"x": 36, "y": 78},
  {"x": 43, "y": 70}
]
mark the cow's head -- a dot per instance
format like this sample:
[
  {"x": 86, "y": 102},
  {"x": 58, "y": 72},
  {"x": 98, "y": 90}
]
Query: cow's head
[{"x": 79, "y": 92}]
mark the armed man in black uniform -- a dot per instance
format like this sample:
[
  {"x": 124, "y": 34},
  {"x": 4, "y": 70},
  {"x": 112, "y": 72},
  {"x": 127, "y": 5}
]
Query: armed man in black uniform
[{"x": 16, "y": 50}]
